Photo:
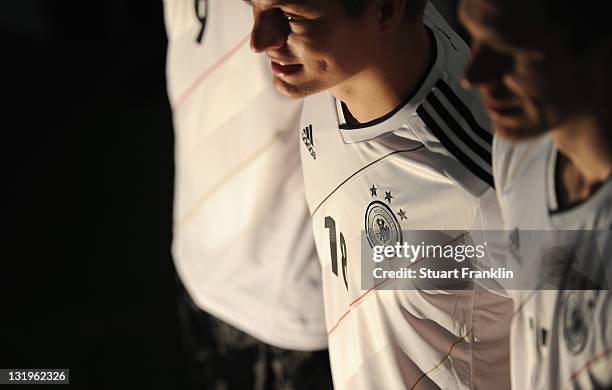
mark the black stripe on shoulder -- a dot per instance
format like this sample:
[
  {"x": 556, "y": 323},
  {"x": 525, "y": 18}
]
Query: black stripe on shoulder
[
  {"x": 464, "y": 111},
  {"x": 457, "y": 129},
  {"x": 454, "y": 149}
]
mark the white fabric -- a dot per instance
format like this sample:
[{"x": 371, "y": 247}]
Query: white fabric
[
  {"x": 242, "y": 245},
  {"x": 542, "y": 354},
  {"x": 395, "y": 339}
]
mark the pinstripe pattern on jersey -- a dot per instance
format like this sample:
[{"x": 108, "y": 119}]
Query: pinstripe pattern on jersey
[
  {"x": 210, "y": 70},
  {"x": 452, "y": 122}
]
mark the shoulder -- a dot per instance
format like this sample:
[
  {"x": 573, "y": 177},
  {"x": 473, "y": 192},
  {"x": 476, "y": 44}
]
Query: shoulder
[
  {"x": 319, "y": 107},
  {"x": 179, "y": 16},
  {"x": 456, "y": 118},
  {"x": 194, "y": 17},
  {"x": 453, "y": 115},
  {"x": 455, "y": 50}
]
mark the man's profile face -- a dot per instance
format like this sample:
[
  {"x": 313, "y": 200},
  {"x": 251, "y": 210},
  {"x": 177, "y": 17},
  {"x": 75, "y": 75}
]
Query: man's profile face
[
  {"x": 529, "y": 79},
  {"x": 312, "y": 45}
]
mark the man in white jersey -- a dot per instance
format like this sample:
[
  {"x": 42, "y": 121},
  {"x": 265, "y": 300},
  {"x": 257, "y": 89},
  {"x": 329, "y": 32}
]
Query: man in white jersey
[
  {"x": 394, "y": 145},
  {"x": 546, "y": 84},
  {"x": 251, "y": 309}
]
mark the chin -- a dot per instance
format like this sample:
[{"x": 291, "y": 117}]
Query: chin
[
  {"x": 517, "y": 127},
  {"x": 297, "y": 90}
]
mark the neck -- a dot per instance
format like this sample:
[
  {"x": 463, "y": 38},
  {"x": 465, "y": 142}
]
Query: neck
[
  {"x": 586, "y": 147},
  {"x": 400, "y": 63}
]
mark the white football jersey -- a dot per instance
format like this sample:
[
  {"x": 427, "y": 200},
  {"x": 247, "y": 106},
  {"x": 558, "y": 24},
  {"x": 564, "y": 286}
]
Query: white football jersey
[
  {"x": 243, "y": 243},
  {"x": 560, "y": 339},
  {"x": 424, "y": 166}
]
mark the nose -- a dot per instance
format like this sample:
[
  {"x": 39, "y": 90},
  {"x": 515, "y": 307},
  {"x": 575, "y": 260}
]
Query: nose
[
  {"x": 270, "y": 30},
  {"x": 486, "y": 66}
]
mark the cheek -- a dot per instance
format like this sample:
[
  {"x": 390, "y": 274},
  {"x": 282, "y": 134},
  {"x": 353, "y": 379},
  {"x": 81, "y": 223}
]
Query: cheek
[
  {"x": 544, "y": 97},
  {"x": 527, "y": 82},
  {"x": 314, "y": 56},
  {"x": 310, "y": 38},
  {"x": 327, "y": 55},
  {"x": 551, "y": 81},
  {"x": 339, "y": 51},
  {"x": 529, "y": 87},
  {"x": 351, "y": 52}
]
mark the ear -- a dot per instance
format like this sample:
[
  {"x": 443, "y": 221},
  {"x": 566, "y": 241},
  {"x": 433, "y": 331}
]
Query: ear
[{"x": 390, "y": 14}]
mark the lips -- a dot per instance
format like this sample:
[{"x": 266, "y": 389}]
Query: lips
[
  {"x": 499, "y": 100},
  {"x": 285, "y": 70}
]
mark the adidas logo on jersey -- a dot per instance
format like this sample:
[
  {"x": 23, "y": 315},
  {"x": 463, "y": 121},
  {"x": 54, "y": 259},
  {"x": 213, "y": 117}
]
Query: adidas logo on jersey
[{"x": 308, "y": 140}]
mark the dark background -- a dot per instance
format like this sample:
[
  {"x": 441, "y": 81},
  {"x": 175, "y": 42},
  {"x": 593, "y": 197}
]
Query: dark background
[{"x": 87, "y": 281}]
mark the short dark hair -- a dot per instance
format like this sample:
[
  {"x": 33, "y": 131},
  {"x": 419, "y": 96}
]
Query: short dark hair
[{"x": 414, "y": 8}]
